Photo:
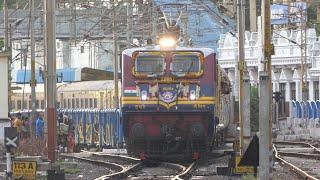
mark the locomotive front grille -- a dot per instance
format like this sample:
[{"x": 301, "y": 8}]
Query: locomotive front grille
[{"x": 161, "y": 146}]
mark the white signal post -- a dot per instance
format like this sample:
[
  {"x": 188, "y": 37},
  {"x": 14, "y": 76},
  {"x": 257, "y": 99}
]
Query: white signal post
[{"x": 265, "y": 99}]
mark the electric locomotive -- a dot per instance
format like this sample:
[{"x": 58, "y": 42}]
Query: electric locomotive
[{"x": 171, "y": 101}]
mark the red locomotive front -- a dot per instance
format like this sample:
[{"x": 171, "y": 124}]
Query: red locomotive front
[{"x": 168, "y": 101}]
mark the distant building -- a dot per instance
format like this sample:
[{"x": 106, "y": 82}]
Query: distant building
[
  {"x": 286, "y": 62},
  {"x": 70, "y": 57}
]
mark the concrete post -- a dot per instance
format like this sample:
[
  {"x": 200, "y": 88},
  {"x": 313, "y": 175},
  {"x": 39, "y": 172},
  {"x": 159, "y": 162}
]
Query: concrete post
[
  {"x": 298, "y": 91},
  {"x": 253, "y": 15},
  {"x": 311, "y": 90},
  {"x": 115, "y": 62},
  {"x": 4, "y": 86},
  {"x": 246, "y": 112},
  {"x": 33, "y": 82},
  {"x": 264, "y": 137},
  {"x": 50, "y": 56},
  {"x": 4, "y": 119}
]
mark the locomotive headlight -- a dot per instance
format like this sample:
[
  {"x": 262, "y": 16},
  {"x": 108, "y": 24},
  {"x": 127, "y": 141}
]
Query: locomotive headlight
[
  {"x": 167, "y": 42},
  {"x": 192, "y": 95},
  {"x": 144, "y": 95}
]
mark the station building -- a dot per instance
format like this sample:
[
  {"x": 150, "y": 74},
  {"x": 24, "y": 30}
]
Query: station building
[{"x": 286, "y": 61}]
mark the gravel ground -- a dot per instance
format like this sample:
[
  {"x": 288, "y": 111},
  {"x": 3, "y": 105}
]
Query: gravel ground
[
  {"x": 208, "y": 169},
  {"x": 154, "y": 172},
  {"x": 311, "y": 166},
  {"x": 83, "y": 170},
  {"x": 281, "y": 172}
]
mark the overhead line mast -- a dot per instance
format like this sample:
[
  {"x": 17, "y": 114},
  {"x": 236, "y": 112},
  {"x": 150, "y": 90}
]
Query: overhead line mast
[{"x": 33, "y": 62}]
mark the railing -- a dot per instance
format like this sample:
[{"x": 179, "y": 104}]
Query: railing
[{"x": 91, "y": 127}]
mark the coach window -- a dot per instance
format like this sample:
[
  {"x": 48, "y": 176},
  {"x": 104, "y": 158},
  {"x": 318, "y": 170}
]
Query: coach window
[
  {"x": 82, "y": 103},
  {"x": 19, "y": 104},
  {"x": 69, "y": 103},
  {"x": 42, "y": 104},
  {"x": 77, "y": 103},
  {"x": 86, "y": 103},
  {"x": 95, "y": 102},
  {"x": 25, "y": 104},
  {"x": 316, "y": 90},
  {"x": 293, "y": 90},
  {"x": 73, "y": 103},
  {"x": 13, "y": 104},
  {"x": 150, "y": 65},
  {"x": 90, "y": 103}
]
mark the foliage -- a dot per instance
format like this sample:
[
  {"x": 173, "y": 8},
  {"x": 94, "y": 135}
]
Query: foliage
[
  {"x": 249, "y": 177},
  {"x": 312, "y": 16},
  {"x": 11, "y": 3},
  {"x": 1, "y": 44},
  {"x": 254, "y": 108}
]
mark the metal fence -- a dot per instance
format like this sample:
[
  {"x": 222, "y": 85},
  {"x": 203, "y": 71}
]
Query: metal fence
[{"x": 92, "y": 127}]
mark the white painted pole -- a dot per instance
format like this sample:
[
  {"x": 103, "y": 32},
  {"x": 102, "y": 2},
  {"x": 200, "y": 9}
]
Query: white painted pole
[
  {"x": 264, "y": 109},
  {"x": 246, "y": 111},
  {"x": 9, "y": 165}
]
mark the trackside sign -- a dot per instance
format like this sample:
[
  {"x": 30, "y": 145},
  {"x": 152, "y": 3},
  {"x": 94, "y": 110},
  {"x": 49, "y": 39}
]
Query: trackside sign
[{"x": 24, "y": 169}]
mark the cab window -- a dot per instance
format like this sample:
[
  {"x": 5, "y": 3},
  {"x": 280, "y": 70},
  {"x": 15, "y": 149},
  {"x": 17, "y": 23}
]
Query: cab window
[
  {"x": 185, "y": 64},
  {"x": 149, "y": 64}
]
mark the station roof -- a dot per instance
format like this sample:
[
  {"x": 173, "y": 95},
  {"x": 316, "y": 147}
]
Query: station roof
[{"x": 86, "y": 86}]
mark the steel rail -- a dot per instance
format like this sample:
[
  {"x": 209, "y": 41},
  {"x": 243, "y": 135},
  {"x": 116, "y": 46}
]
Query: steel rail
[
  {"x": 299, "y": 143},
  {"x": 98, "y": 162},
  {"x": 111, "y": 155},
  {"x": 301, "y": 155},
  {"x": 185, "y": 173},
  {"x": 314, "y": 148},
  {"x": 122, "y": 173},
  {"x": 299, "y": 171},
  {"x": 116, "y": 156}
]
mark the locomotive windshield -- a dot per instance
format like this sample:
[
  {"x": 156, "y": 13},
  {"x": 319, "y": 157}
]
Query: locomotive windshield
[
  {"x": 184, "y": 64},
  {"x": 150, "y": 64}
]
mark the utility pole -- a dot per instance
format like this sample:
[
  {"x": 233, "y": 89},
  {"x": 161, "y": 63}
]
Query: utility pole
[
  {"x": 6, "y": 25},
  {"x": 50, "y": 54},
  {"x": 33, "y": 64},
  {"x": 7, "y": 47},
  {"x": 253, "y": 15},
  {"x": 303, "y": 48},
  {"x": 129, "y": 23},
  {"x": 5, "y": 63},
  {"x": 265, "y": 105},
  {"x": 115, "y": 63},
  {"x": 241, "y": 67}
]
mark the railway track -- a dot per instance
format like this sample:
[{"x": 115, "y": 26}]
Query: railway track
[
  {"x": 129, "y": 167},
  {"x": 303, "y": 158}
]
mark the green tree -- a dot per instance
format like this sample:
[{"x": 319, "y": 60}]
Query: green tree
[
  {"x": 11, "y": 3},
  {"x": 254, "y": 108},
  {"x": 312, "y": 15},
  {"x": 1, "y": 44}
]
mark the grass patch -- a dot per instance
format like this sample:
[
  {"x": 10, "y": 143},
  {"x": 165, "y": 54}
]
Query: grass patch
[
  {"x": 249, "y": 177},
  {"x": 72, "y": 171}
]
